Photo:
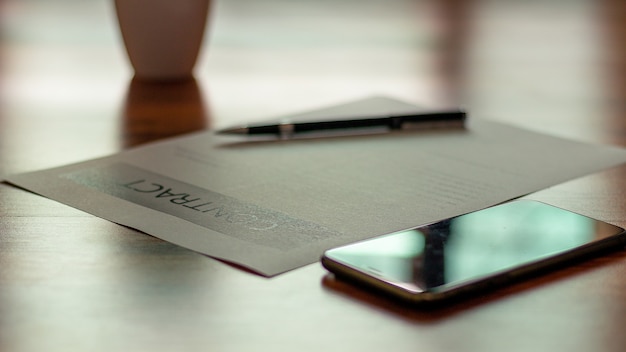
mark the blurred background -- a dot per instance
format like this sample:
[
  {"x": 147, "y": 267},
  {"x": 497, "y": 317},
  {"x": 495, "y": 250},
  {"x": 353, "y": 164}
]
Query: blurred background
[{"x": 549, "y": 63}]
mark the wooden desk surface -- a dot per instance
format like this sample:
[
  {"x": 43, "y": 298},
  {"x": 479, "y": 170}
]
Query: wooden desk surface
[{"x": 70, "y": 281}]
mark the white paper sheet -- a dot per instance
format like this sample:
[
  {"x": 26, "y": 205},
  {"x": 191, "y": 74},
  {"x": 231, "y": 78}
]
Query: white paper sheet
[{"x": 272, "y": 206}]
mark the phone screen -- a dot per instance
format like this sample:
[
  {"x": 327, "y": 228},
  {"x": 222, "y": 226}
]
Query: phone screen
[{"x": 469, "y": 247}]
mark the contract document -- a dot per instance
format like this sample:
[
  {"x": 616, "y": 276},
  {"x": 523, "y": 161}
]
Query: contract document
[{"x": 274, "y": 205}]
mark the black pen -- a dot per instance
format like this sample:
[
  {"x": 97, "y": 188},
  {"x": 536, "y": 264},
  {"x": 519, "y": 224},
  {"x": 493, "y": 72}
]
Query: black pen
[{"x": 425, "y": 120}]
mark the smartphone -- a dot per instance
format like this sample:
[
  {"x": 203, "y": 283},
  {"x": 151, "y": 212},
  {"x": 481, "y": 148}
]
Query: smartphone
[{"x": 472, "y": 252}]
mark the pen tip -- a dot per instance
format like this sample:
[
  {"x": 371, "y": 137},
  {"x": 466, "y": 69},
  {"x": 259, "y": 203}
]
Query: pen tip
[{"x": 238, "y": 130}]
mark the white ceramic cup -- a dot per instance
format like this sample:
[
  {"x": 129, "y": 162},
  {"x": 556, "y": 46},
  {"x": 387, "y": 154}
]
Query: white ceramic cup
[{"x": 162, "y": 37}]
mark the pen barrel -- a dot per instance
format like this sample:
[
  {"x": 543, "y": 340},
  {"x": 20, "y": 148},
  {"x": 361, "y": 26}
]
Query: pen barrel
[
  {"x": 339, "y": 124},
  {"x": 270, "y": 129},
  {"x": 444, "y": 118},
  {"x": 427, "y": 120}
]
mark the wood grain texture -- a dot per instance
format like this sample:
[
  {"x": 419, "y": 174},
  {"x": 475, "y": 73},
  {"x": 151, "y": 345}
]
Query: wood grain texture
[{"x": 71, "y": 281}]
